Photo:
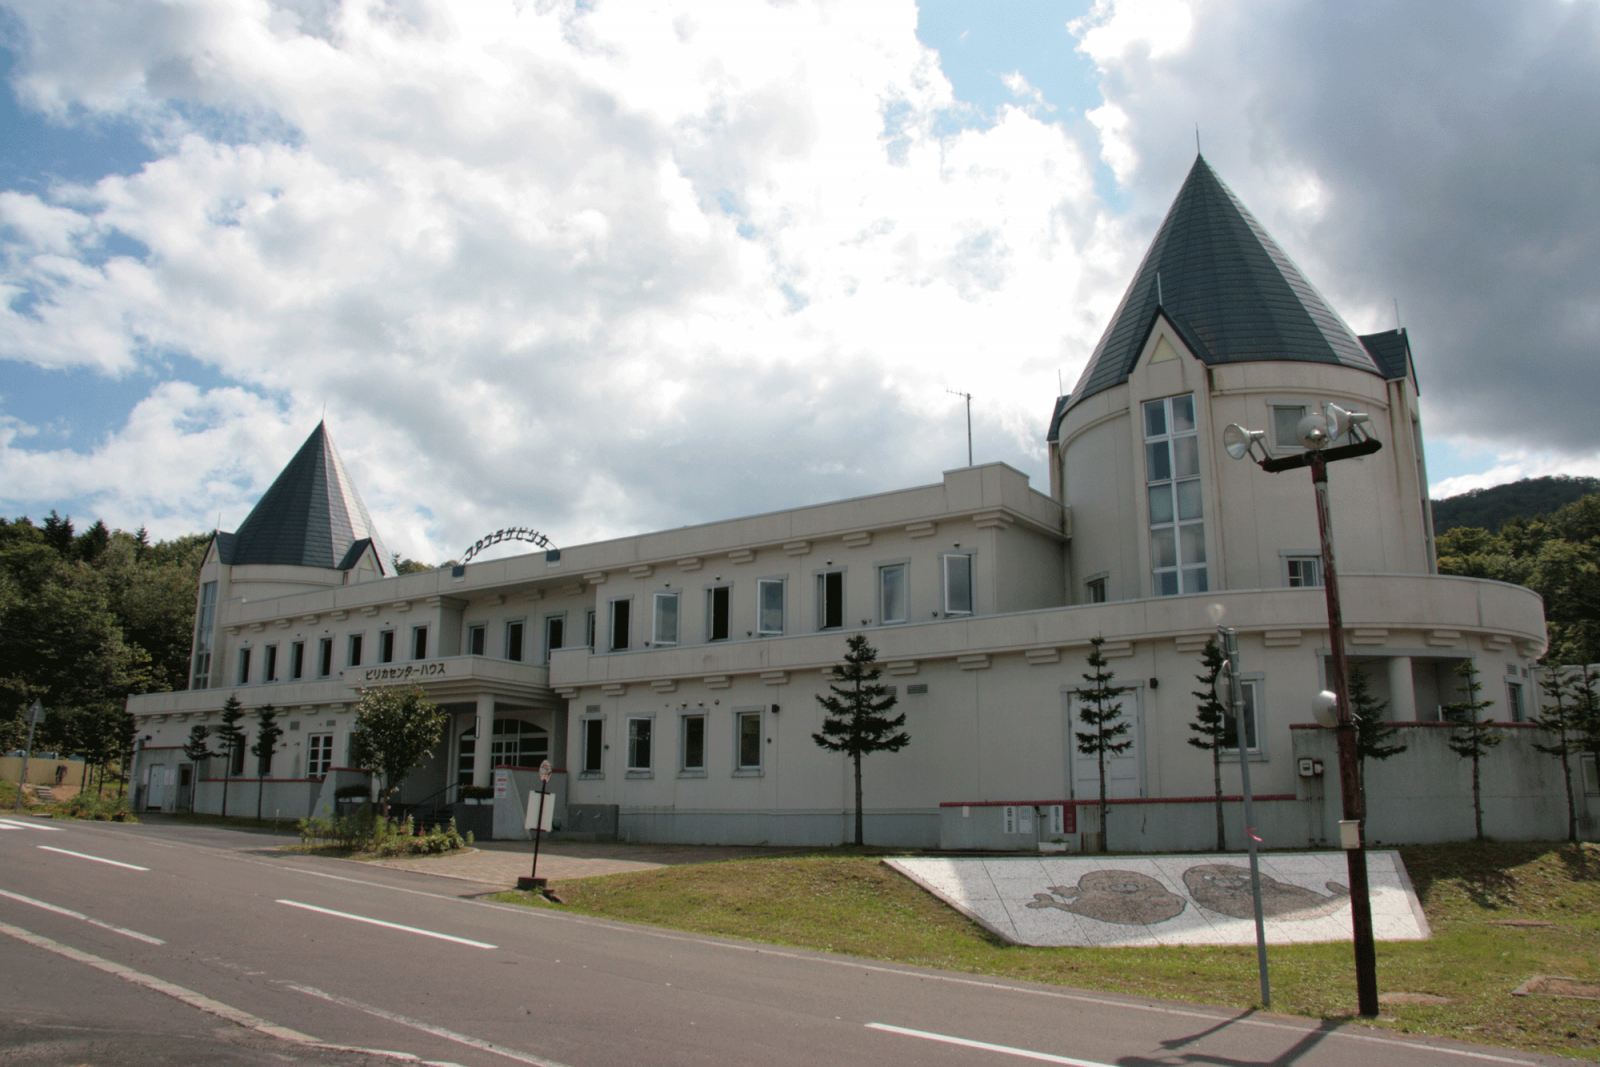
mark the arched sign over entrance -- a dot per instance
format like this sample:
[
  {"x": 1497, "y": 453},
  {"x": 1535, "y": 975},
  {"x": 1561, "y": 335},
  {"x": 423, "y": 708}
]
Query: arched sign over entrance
[{"x": 513, "y": 533}]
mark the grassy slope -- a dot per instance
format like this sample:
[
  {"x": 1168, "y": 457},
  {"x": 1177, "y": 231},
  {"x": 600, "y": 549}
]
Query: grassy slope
[{"x": 845, "y": 901}]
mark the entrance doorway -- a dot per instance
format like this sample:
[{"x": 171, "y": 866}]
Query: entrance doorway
[
  {"x": 514, "y": 743},
  {"x": 1125, "y": 772}
]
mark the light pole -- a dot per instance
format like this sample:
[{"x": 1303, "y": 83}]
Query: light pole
[{"x": 1317, "y": 432}]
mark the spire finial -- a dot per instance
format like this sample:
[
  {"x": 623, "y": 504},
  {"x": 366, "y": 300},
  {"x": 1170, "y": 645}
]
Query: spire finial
[{"x": 1197, "y": 140}]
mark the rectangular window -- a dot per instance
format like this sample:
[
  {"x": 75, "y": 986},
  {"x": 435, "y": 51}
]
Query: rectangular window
[
  {"x": 324, "y": 657},
  {"x": 830, "y": 600},
  {"x": 236, "y": 759},
  {"x": 297, "y": 660},
  {"x": 588, "y": 629},
  {"x": 1096, "y": 588},
  {"x": 893, "y": 598},
  {"x": 1251, "y": 715},
  {"x": 1172, "y": 477},
  {"x": 1591, "y": 776},
  {"x": 769, "y": 606},
  {"x": 1303, "y": 571},
  {"x": 1285, "y": 426},
  {"x": 419, "y": 642},
  {"x": 666, "y": 626},
  {"x": 205, "y": 623},
  {"x": 958, "y": 585},
  {"x": 1514, "y": 702},
  {"x": 477, "y": 640},
  {"x": 320, "y": 755},
  {"x": 594, "y": 733},
  {"x": 386, "y": 646},
  {"x": 514, "y": 640},
  {"x": 244, "y": 666},
  {"x": 555, "y": 634},
  {"x": 718, "y": 601},
  {"x": 269, "y": 665},
  {"x": 694, "y": 743},
  {"x": 639, "y": 744},
  {"x": 355, "y": 650},
  {"x": 621, "y": 610},
  {"x": 749, "y": 739}
]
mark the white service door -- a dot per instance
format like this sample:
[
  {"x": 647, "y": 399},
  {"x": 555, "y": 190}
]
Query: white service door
[
  {"x": 158, "y": 788},
  {"x": 1125, "y": 772}
]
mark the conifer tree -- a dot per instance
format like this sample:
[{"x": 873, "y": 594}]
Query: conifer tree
[
  {"x": 231, "y": 740},
  {"x": 857, "y": 722},
  {"x": 267, "y": 734},
  {"x": 1212, "y": 724},
  {"x": 1560, "y": 717},
  {"x": 1099, "y": 709},
  {"x": 1374, "y": 734},
  {"x": 1471, "y": 738}
]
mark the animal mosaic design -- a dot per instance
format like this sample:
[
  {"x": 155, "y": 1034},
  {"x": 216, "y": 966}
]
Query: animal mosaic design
[
  {"x": 1127, "y": 898},
  {"x": 1225, "y": 888}
]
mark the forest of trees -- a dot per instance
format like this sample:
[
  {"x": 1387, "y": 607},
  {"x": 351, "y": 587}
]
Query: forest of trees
[
  {"x": 1489, "y": 509},
  {"x": 85, "y": 620}
]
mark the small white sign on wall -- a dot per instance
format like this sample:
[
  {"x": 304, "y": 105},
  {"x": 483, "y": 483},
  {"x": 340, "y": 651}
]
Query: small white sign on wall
[{"x": 502, "y": 784}]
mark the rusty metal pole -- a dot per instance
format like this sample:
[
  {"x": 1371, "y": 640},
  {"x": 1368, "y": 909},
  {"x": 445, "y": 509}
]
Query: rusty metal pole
[{"x": 1349, "y": 763}]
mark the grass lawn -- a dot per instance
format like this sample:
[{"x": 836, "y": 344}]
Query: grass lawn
[{"x": 845, "y": 900}]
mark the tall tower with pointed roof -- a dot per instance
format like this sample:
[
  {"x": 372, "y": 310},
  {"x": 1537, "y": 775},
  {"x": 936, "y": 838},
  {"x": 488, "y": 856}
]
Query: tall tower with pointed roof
[{"x": 1218, "y": 325}]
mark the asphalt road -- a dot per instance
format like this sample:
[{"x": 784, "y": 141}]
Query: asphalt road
[{"x": 144, "y": 945}]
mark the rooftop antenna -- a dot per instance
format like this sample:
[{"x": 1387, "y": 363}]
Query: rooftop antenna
[
  {"x": 1197, "y": 139},
  {"x": 1060, "y": 385},
  {"x": 954, "y": 392},
  {"x": 324, "y": 411}
]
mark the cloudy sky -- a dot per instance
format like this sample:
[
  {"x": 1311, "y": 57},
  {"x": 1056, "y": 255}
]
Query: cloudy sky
[{"x": 602, "y": 267}]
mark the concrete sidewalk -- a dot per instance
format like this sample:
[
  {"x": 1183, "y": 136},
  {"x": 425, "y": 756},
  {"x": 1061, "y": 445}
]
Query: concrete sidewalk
[{"x": 503, "y": 862}]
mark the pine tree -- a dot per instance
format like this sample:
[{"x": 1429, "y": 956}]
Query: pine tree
[
  {"x": 857, "y": 722},
  {"x": 1099, "y": 709},
  {"x": 1212, "y": 724},
  {"x": 267, "y": 734},
  {"x": 1471, "y": 739},
  {"x": 58, "y": 534},
  {"x": 1560, "y": 717},
  {"x": 231, "y": 740},
  {"x": 1374, "y": 734}
]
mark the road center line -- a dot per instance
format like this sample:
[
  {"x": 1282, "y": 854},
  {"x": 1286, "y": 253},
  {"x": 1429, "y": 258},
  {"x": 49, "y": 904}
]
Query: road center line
[
  {"x": 392, "y": 926},
  {"x": 427, "y": 1028},
  {"x": 1028, "y": 1054},
  {"x": 18, "y": 824},
  {"x": 97, "y": 859},
  {"x": 177, "y": 992},
  {"x": 124, "y": 931}
]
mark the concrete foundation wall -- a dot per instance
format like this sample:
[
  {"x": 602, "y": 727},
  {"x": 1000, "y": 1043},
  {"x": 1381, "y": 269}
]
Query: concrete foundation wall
[
  {"x": 288, "y": 798},
  {"x": 42, "y": 771},
  {"x": 907, "y": 829},
  {"x": 1152, "y": 826}
]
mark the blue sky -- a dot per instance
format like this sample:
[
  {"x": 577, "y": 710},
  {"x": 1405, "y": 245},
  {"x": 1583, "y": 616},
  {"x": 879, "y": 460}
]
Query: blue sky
[{"x": 213, "y": 228}]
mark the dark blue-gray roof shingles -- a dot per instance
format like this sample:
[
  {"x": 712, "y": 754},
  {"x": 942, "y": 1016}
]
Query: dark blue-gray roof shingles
[{"x": 1232, "y": 293}]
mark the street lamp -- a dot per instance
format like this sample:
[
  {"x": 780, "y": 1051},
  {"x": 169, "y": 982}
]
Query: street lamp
[{"x": 1317, "y": 433}]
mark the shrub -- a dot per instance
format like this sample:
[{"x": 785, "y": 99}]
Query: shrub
[
  {"x": 100, "y": 809},
  {"x": 364, "y": 831}
]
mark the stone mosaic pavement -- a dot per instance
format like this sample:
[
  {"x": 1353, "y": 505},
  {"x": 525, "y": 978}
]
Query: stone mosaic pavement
[{"x": 1169, "y": 900}]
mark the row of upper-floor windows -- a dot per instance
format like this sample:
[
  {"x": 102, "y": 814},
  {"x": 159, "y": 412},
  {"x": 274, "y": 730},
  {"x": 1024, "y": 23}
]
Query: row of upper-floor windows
[
  {"x": 1298, "y": 572},
  {"x": 300, "y": 659}
]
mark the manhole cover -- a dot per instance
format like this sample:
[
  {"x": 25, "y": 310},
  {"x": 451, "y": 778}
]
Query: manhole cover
[{"x": 1549, "y": 986}]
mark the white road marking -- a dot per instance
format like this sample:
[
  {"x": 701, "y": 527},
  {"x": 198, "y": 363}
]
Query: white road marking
[
  {"x": 177, "y": 992},
  {"x": 18, "y": 824},
  {"x": 374, "y": 885},
  {"x": 124, "y": 931},
  {"x": 97, "y": 859},
  {"x": 392, "y": 926},
  {"x": 1027, "y": 1054},
  {"x": 427, "y": 1028}
]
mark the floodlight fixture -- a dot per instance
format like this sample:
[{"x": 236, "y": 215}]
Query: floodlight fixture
[
  {"x": 1325, "y": 708},
  {"x": 1241, "y": 442}
]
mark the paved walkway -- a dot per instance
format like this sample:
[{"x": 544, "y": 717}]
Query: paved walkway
[{"x": 503, "y": 862}]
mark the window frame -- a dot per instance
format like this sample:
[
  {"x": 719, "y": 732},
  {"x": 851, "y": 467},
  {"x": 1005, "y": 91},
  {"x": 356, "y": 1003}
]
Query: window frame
[
  {"x": 1184, "y": 572},
  {"x": 325, "y": 657},
  {"x": 243, "y": 666},
  {"x": 1516, "y": 700},
  {"x": 588, "y": 628},
  {"x": 656, "y": 601},
  {"x": 269, "y": 662},
  {"x": 645, "y": 723},
  {"x": 626, "y": 623},
  {"x": 316, "y": 767},
  {"x": 519, "y": 644},
  {"x": 353, "y": 649},
  {"x": 762, "y": 585},
  {"x": 685, "y": 768},
  {"x": 592, "y": 743},
  {"x": 1096, "y": 588},
  {"x": 972, "y": 591},
  {"x": 419, "y": 642},
  {"x": 880, "y": 569},
  {"x": 478, "y": 639},
  {"x": 724, "y": 592},
  {"x": 204, "y": 637},
  {"x": 1291, "y": 559},
  {"x": 825, "y": 576},
  {"x": 297, "y": 660},
  {"x": 1293, "y": 444},
  {"x": 386, "y": 646},
  {"x": 740, "y": 717},
  {"x": 1255, "y": 689},
  {"x": 554, "y": 619}
]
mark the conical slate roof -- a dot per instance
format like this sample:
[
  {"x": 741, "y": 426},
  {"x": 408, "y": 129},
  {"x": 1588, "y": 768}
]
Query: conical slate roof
[
  {"x": 1229, "y": 289},
  {"x": 310, "y": 517}
]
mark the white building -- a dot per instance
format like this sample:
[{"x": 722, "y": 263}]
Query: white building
[{"x": 671, "y": 677}]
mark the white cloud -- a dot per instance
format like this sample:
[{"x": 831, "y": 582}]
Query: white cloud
[{"x": 590, "y": 271}]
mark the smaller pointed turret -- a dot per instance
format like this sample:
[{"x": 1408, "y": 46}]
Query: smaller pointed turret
[{"x": 311, "y": 516}]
